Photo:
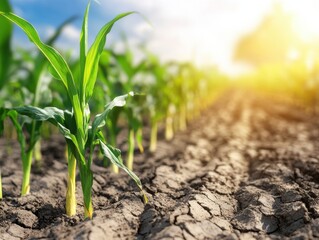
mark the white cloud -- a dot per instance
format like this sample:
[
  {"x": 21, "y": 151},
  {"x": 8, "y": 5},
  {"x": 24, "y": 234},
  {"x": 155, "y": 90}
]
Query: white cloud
[
  {"x": 71, "y": 33},
  {"x": 69, "y": 40},
  {"x": 202, "y": 30},
  {"x": 205, "y": 31},
  {"x": 143, "y": 28}
]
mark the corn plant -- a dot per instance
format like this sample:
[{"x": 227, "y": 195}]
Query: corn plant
[
  {"x": 81, "y": 137},
  {"x": 30, "y": 87},
  {"x": 35, "y": 85},
  {"x": 117, "y": 73},
  {"x": 5, "y": 59},
  {"x": 158, "y": 97}
]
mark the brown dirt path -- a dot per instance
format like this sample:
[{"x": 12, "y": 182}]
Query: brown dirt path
[{"x": 247, "y": 169}]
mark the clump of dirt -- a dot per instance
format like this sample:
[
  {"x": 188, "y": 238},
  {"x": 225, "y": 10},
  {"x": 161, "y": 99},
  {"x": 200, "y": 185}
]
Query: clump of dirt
[{"x": 247, "y": 169}]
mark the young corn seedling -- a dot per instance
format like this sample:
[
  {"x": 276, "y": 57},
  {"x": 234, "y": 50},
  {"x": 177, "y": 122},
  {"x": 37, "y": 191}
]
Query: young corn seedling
[
  {"x": 157, "y": 101},
  {"x": 184, "y": 85},
  {"x": 26, "y": 145},
  {"x": 81, "y": 137},
  {"x": 122, "y": 67},
  {"x": 5, "y": 59},
  {"x": 30, "y": 88},
  {"x": 6, "y": 72},
  {"x": 35, "y": 86}
]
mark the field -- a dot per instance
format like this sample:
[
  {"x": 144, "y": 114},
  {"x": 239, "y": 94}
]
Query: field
[
  {"x": 117, "y": 142},
  {"x": 246, "y": 169}
]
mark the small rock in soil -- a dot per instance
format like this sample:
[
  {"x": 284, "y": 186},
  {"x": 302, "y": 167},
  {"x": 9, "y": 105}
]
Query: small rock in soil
[
  {"x": 26, "y": 218},
  {"x": 250, "y": 219},
  {"x": 18, "y": 231},
  {"x": 206, "y": 203},
  {"x": 221, "y": 223},
  {"x": 183, "y": 218},
  {"x": 197, "y": 211},
  {"x": 203, "y": 230},
  {"x": 171, "y": 232}
]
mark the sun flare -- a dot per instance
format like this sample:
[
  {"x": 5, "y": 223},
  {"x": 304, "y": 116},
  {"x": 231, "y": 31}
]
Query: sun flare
[{"x": 305, "y": 18}]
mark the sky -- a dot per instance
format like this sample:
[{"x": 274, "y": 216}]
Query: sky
[{"x": 202, "y": 31}]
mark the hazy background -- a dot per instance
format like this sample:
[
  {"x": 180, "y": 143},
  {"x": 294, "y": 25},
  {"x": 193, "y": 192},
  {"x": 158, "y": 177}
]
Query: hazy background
[{"x": 203, "y": 31}]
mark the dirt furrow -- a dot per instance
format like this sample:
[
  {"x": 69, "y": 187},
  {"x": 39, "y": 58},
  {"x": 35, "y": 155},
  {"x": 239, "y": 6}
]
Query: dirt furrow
[
  {"x": 247, "y": 169},
  {"x": 205, "y": 177},
  {"x": 273, "y": 203}
]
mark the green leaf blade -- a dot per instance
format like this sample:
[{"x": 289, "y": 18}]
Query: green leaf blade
[
  {"x": 83, "y": 49},
  {"x": 56, "y": 60},
  {"x": 93, "y": 56},
  {"x": 114, "y": 155},
  {"x": 99, "y": 120},
  {"x": 5, "y": 43}
]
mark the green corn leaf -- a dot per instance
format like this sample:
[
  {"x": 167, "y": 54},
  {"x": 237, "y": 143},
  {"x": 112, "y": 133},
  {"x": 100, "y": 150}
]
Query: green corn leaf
[
  {"x": 114, "y": 155},
  {"x": 5, "y": 39},
  {"x": 83, "y": 49},
  {"x": 51, "y": 114},
  {"x": 40, "y": 62},
  {"x": 39, "y": 114},
  {"x": 13, "y": 115},
  {"x": 86, "y": 182},
  {"x": 3, "y": 115},
  {"x": 139, "y": 139},
  {"x": 56, "y": 60},
  {"x": 93, "y": 56},
  {"x": 99, "y": 120},
  {"x": 70, "y": 121},
  {"x": 54, "y": 115},
  {"x": 6, "y": 27},
  {"x": 53, "y": 72}
]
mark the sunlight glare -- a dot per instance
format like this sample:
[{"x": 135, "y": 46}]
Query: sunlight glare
[{"x": 306, "y": 18}]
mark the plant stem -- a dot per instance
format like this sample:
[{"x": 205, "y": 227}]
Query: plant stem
[
  {"x": 182, "y": 118},
  {"x": 70, "y": 194},
  {"x": 169, "y": 133},
  {"x": 176, "y": 126},
  {"x": 66, "y": 153},
  {"x": 88, "y": 212},
  {"x": 130, "y": 151},
  {"x": 87, "y": 182},
  {"x": 153, "y": 141},
  {"x": 86, "y": 177},
  {"x": 37, "y": 154},
  {"x": 26, "y": 167},
  {"x": 139, "y": 139}
]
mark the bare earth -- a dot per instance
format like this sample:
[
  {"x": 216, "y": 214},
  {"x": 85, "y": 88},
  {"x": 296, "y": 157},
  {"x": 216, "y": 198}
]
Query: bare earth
[{"x": 247, "y": 169}]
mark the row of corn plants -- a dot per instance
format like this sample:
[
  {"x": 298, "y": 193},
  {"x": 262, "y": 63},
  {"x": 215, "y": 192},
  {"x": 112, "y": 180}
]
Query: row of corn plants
[{"x": 61, "y": 91}]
